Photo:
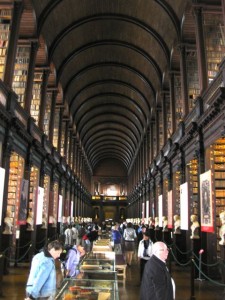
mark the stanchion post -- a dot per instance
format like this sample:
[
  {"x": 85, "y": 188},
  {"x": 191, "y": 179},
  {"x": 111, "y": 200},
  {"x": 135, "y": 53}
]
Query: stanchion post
[
  {"x": 16, "y": 253},
  {"x": 192, "y": 280},
  {"x": 200, "y": 265}
]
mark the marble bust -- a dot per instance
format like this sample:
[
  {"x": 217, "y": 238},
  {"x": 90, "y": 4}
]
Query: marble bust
[
  {"x": 176, "y": 219},
  {"x": 8, "y": 221},
  {"x": 195, "y": 227},
  {"x": 30, "y": 221}
]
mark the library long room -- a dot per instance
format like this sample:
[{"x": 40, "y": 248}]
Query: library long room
[{"x": 112, "y": 140}]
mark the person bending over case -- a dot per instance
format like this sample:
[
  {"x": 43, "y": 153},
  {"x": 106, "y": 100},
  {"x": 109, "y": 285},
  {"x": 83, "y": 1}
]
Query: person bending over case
[{"x": 41, "y": 283}]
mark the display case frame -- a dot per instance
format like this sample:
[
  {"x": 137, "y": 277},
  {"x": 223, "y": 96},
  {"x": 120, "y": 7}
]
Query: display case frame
[{"x": 74, "y": 288}]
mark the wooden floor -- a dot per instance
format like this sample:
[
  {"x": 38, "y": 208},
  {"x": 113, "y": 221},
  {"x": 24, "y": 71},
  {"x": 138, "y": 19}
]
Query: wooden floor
[{"x": 14, "y": 285}]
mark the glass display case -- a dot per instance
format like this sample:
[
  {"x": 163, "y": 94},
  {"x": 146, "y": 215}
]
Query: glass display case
[
  {"x": 97, "y": 266},
  {"x": 87, "y": 289},
  {"x": 103, "y": 245}
]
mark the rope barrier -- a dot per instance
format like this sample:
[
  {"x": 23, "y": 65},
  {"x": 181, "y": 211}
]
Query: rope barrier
[
  {"x": 195, "y": 257},
  {"x": 4, "y": 251},
  {"x": 181, "y": 252},
  {"x": 208, "y": 265},
  {"x": 40, "y": 242},
  {"x": 181, "y": 264},
  {"x": 213, "y": 281},
  {"x": 23, "y": 245},
  {"x": 19, "y": 259}
]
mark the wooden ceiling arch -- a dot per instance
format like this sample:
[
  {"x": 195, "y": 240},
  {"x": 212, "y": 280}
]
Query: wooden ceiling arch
[{"x": 111, "y": 59}]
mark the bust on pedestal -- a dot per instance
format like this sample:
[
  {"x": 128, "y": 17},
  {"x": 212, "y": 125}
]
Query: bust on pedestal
[
  {"x": 156, "y": 223},
  {"x": 30, "y": 221},
  {"x": 195, "y": 227},
  {"x": 8, "y": 221},
  {"x": 150, "y": 223},
  {"x": 165, "y": 224},
  {"x": 176, "y": 219},
  {"x": 44, "y": 221}
]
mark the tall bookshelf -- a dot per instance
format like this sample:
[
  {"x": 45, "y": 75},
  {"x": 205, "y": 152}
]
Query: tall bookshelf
[
  {"x": 56, "y": 128},
  {"x": 160, "y": 122},
  {"x": 176, "y": 192},
  {"x": 47, "y": 113},
  {"x": 62, "y": 152},
  {"x": 169, "y": 118},
  {"x": 5, "y": 21},
  {"x": 46, "y": 200},
  {"x": 178, "y": 98},
  {"x": 214, "y": 41},
  {"x": 154, "y": 140},
  {"x": 67, "y": 154},
  {"x": 54, "y": 215},
  {"x": 165, "y": 197},
  {"x": 34, "y": 182},
  {"x": 158, "y": 192},
  {"x": 152, "y": 203},
  {"x": 20, "y": 72},
  {"x": 192, "y": 78},
  {"x": 72, "y": 151},
  {"x": 16, "y": 171},
  {"x": 193, "y": 186},
  {"x": 217, "y": 160},
  {"x": 36, "y": 96}
]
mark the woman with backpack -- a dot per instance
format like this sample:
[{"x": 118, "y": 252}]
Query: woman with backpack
[{"x": 129, "y": 236}]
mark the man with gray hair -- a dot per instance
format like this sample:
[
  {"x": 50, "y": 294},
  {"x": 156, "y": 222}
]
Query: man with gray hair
[{"x": 157, "y": 283}]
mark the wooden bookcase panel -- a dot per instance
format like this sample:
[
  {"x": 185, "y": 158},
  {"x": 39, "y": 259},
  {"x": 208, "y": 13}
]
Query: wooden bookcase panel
[
  {"x": 16, "y": 172},
  {"x": 5, "y": 23}
]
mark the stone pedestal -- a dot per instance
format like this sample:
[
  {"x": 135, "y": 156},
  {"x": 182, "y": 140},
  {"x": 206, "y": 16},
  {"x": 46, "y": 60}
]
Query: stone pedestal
[
  {"x": 180, "y": 247},
  {"x": 166, "y": 235},
  {"x": 196, "y": 245},
  {"x": 158, "y": 234},
  {"x": 152, "y": 234},
  {"x": 222, "y": 262},
  {"x": 6, "y": 244}
]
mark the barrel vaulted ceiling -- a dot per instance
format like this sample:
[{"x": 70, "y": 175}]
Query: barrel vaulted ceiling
[{"x": 111, "y": 58}]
